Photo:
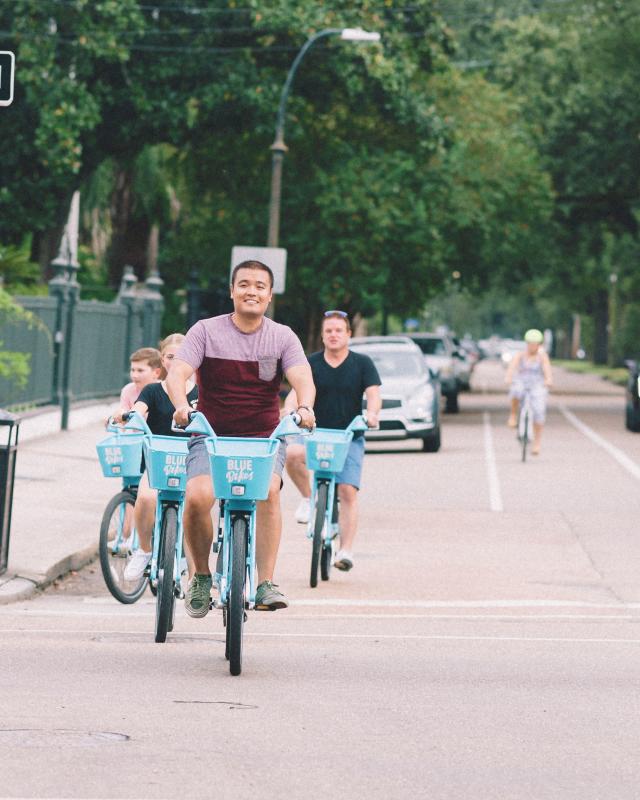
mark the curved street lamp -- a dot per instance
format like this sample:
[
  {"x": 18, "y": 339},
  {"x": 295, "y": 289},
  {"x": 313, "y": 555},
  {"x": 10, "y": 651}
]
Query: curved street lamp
[{"x": 279, "y": 148}]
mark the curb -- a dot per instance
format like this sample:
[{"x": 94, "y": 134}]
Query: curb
[{"x": 22, "y": 585}]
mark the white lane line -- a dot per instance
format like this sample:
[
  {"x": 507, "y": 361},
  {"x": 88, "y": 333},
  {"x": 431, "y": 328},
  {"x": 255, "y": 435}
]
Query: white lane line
[
  {"x": 495, "y": 496},
  {"x": 346, "y": 602},
  {"x": 358, "y": 636},
  {"x": 615, "y": 452},
  {"x": 343, "y": 602}
]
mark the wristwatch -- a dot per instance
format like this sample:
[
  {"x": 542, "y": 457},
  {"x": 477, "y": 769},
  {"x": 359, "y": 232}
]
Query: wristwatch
[{"x": 306, "y": 408}]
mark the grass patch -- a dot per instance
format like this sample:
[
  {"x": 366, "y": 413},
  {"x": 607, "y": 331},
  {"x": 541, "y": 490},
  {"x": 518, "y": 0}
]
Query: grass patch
[{"x": 617, "y": 375}]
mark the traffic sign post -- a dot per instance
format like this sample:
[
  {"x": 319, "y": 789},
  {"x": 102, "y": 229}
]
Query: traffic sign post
[
  {"x": 7, "y": 70},
  {"x": 274, "y": 257}
]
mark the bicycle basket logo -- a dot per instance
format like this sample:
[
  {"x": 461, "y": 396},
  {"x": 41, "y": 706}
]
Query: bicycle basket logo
[
  {"x": 113, "y": 455},
  {"x": 175, "y": 464},
  {"x": 324, "y": 451},
  {"x": 239, "y": 470}
]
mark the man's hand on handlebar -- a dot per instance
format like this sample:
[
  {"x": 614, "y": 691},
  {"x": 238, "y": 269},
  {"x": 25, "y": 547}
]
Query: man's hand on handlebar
[{"x": 307, "y": 418}]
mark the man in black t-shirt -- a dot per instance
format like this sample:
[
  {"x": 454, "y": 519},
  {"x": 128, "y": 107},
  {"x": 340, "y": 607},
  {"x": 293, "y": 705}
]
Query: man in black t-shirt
[{"x": 341, "y": 378}]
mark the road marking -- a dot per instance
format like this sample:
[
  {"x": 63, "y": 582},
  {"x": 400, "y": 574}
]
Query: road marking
[
  {"x": 359, "y": 636},
  {"x": 495, "y": 496},
  {"x": 613, "y": 451},
  {"x": 337, "y": 602}
]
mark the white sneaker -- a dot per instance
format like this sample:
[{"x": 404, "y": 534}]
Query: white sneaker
[
  {"x": 343, "y": 560},
  {"x": 136, "y": 566},
  {"x": 303, "y": 512}
]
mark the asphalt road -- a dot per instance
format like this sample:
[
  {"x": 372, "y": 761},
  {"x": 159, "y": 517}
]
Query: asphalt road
[{"x": 484, "y": 645}]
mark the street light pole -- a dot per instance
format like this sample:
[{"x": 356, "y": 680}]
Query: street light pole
[{"x": 279, "y": 148}]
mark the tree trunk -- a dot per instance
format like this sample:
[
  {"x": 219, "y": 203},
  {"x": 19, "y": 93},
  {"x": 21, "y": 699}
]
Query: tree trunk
[
  {"x": 44, "y": 248},
  {"x": 130, "y": 234},
  {"x": 601, "y": 326}
]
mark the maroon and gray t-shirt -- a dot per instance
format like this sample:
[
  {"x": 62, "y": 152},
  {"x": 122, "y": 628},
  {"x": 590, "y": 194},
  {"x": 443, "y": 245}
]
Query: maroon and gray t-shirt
[{"x": 239, "y": 374}]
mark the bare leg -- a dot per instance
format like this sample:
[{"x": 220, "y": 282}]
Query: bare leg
[
  {"x": 537, "y": 436},
  {"x": 198, "y": 528},
  {"x": 145, "y": 513},
  {"x": 268, "y": 531},
  {"x": 348, "y": 515},
  {"x": 297, "y": 469},
  {"x": 513, "y": 419}
]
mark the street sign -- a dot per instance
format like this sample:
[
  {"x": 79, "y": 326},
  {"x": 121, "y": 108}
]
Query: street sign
[
  {"x": 274, "y": 257},
  {"x": 7, "y": 69}
]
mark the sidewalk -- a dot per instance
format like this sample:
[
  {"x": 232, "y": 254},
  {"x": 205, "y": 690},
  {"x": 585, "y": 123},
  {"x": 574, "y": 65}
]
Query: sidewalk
[{"x": 59, "y": 496}]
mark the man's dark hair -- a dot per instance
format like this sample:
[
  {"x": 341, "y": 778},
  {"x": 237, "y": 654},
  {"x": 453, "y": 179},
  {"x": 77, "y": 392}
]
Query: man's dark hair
[{"x": 252, "y": 265}]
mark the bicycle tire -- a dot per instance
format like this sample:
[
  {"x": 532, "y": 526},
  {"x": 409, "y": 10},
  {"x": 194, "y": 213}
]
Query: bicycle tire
[
  {"x": 236, "y": 610},
  {"x": 318, "y": 525},
  {"x": 113, "y": 565},
  {"x": 166, "y": 597},
  {"x": 327, "y": 550}
]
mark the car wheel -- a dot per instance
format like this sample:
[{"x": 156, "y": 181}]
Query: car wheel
[
  {"x": 451, "y": 405},
  {"x": 632, "y": 420},
  {"x": 431, "y": 443}
]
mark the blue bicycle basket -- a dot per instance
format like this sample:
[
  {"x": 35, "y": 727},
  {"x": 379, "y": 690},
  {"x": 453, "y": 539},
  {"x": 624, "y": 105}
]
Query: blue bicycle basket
[
  {"x": 242, "y": 468},
  {"x": 165, "y": 458},
  {"x": 120, "y": 455},
  {"x": 327, "y": 449}
]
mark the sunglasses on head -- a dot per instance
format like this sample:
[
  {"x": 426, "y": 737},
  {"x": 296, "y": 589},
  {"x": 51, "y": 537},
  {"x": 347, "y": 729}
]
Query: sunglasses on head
[{"x": 336, "y": 312}]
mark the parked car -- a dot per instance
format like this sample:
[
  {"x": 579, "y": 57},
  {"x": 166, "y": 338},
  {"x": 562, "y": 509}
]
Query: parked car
[
  {"x": 463, "y": 365},
  {"x": 442, "y": 358},
  {"x": 410, "y": 392},
  {"x": 632, "y": 411}
]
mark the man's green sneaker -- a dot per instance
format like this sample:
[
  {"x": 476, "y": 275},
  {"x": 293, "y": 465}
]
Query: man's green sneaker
[
  {"x": 197, "y": 596},
  {"x": 268, "y": 598}
]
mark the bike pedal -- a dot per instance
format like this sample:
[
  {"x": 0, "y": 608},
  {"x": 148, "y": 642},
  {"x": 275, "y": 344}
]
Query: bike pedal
[{"x": 217, "y": 604}]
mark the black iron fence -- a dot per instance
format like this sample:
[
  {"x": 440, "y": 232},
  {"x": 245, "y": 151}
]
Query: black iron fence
[{"x": 79, "y": 349}]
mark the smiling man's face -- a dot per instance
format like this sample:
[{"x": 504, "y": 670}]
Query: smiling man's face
[{"x": 251, "y": 292}]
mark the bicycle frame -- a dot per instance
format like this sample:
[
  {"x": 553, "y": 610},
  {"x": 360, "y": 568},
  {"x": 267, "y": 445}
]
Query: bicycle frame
[
  {"x": 326, "y": 464},
  {"x": 166, "y": 496},
  {"x": 116, "y": 463},
  {"x": 240, "y": 482}
]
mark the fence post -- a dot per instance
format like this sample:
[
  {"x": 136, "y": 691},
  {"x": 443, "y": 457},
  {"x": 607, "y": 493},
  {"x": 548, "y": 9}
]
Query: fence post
[
  {"x": 153, "y": 305},
  {"x": 72, "y": 300},
  {"x": 127, "y": 297},
  {"x": 59, "y": 288}
]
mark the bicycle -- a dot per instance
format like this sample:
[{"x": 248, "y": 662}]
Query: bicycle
[
  {"x": 241, "y": 470},
  {"x": 326, "y": 452},
  {"x": 165, "y": 461},
  {"x": 525, "y": 426},
  {"x": 120, "y": 457}
]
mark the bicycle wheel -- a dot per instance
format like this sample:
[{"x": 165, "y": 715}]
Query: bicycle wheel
[
  {"x": 525, "y": 435},
  {"x": 117, "y": 533},
  {"x": 316, "y": 545},
  {"x": 327, "y": 547},
  {"x": 235, "y": 615},
  {"x": 165, "y": 601}
]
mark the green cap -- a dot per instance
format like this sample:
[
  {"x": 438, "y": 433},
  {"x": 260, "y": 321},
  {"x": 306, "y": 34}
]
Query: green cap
[{"x": 534, "y": 335}]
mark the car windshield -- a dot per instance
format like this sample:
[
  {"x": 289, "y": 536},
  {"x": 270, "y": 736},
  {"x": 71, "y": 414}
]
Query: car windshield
[
  {"x": 431, "y": 346},
  {"x": 395, "y": 363}
]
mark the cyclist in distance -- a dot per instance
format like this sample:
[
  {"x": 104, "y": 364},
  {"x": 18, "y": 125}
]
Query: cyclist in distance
[
  {"x": 341, "y": 378},
  {"x": 530, "y": 371},
  {"x": 239, "y": 359}
]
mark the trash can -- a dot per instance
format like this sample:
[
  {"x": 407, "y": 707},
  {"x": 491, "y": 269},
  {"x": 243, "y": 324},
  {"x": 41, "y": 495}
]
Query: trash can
[{"x": 9, "y": 426}]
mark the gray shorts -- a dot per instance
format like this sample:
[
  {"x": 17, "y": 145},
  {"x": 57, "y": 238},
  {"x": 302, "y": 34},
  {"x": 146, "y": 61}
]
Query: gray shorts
[
  {"x": 198, "y": 462},
  {"x": 538, "y": 395}
]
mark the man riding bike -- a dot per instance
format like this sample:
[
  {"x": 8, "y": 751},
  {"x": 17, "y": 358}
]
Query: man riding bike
[{"x": 240, "y": 359}]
